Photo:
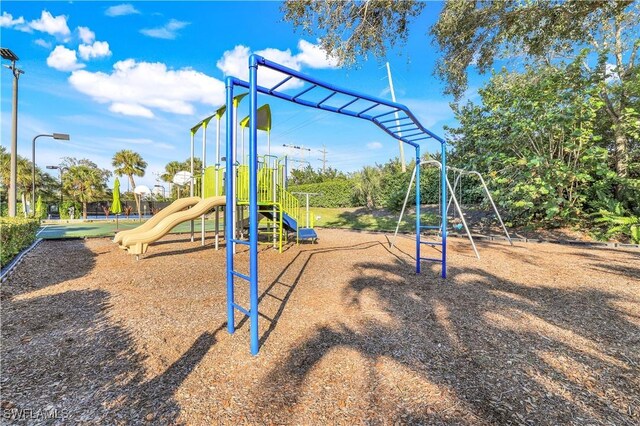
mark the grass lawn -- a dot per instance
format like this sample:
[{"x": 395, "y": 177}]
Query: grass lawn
[{"x": 373, "y": 220}]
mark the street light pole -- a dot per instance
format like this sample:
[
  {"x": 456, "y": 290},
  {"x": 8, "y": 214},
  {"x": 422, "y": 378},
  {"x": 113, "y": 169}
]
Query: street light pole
[
  {"x": 57, "y": 136},
  {"x": 13, "y": 177}
]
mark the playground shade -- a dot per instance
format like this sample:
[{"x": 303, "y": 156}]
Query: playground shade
[
  {"x": 137, "y": 242},
  {"x": 174, "y": 207}
]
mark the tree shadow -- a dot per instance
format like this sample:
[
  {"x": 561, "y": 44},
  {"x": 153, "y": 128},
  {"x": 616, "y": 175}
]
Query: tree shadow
[
  {"x": 64, "y": 354},
  {"x": 509, "y": 353},
  {"x": 303, "y": 257}
]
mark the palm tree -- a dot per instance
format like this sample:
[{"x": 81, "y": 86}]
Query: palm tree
[
  {"x": 170, "y": 170},
  {"x": 85, "y": 182},
  {"x": 130, "y": 164},
  {"x": 24, "y": 177},
  {"x": 367, "y": 185}
]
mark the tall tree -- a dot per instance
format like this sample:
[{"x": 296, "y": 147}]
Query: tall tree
[
  {"x": 130, "y": 164},
  {"x": 84, "y": 181},
  {"x": 481, "y": 32},
  {"x": 535, "y": 137}
]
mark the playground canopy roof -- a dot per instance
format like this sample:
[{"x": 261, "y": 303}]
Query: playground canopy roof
[{"x": 325, "y": 96}]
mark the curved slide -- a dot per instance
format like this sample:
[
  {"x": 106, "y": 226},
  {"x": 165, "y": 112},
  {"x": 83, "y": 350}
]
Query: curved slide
[
  {"x": 176, "y": 206},
  {"x": 138, "y": 242}
]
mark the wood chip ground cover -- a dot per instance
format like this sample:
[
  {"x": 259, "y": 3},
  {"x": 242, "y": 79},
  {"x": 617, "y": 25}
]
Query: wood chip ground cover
[{"x": 529, "y": 334}]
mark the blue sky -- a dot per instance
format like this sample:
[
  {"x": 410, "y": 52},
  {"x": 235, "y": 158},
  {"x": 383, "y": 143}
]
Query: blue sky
[{"x": 139, "y": 75}]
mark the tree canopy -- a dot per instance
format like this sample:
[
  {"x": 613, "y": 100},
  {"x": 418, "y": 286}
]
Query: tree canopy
[{"x": 348, "y": 29}]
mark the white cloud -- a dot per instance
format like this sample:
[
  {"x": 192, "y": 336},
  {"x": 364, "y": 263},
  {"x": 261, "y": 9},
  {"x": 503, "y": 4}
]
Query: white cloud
[
  {"x": 313, "y": 56},
  {"x": 7, "y": 21},
  {"x": 43, "y": 43},
  {"x": 96, "y": 50},
  {"x": 131, "y": 109},
  {"x": 169, "y": 31},
  {"x": 235, "y": 63},
  {"x": 143, "y": 141},
  {"x": 121, "y": 10},
  {"x": 86, "y": 35},
  {"x": 55, "y": 26},
  {"x": 138, "y": 88},
  {"x": 374, "y": 145},
  {"x": 63, "y": 59}
]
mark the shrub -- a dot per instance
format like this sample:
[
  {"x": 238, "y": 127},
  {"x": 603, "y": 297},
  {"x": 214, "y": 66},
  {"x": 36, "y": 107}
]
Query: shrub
[
  {"x": 15, "y": 235},
  {"x": 66, "y": 205},
  {"x": 333, "y": 193},
  {"x": 4, "y": 210}
]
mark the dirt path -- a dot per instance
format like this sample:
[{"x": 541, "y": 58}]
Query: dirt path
[{"x": 530, "y": 334}]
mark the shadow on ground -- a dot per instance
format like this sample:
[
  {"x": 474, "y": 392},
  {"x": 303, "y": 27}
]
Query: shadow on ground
[
  {"x": 505, "y": 352},
  {"x": 63, "y": 356}
]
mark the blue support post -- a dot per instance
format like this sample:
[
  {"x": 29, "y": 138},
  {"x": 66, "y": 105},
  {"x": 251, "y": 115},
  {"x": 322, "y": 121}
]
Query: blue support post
[
  {"x": 417, "y": 209},
  {"x": 253, "y": 202},
  {"x": 228, "y": 215},
  {"x": 443, "y": 179}
]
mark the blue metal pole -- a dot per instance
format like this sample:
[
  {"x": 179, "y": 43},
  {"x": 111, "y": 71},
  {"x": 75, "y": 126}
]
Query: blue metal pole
[
  {"x": 443, "y": 206},
  {"x": 418, "y": 209},
  {"x": 228, "y": 215},
  {"x": 253, "y": 202}
]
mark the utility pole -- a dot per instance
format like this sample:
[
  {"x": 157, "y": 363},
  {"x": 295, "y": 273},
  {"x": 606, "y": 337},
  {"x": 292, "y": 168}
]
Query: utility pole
[
  {"x": 393, "y": 98},
  {"x": 324, "y": 158}
]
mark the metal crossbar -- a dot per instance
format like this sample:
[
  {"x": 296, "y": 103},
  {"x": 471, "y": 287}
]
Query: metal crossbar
[
  {"x": 393, "y": 120},
  {"x": 325, "y": 99}
]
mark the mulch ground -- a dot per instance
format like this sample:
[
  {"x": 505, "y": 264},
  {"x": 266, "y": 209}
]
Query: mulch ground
[{"x": 529, "y": 334}]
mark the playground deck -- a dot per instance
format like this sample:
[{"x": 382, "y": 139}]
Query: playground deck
[{"x": 530, "y": 334}]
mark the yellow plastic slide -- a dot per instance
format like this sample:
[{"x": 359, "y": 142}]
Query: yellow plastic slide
[
  {"x": 176, "y": 206},
  {"x": 137, "y": 243}
]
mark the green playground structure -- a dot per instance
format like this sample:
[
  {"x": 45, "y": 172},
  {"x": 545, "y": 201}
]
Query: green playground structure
[{"x": 279, "y": 210}]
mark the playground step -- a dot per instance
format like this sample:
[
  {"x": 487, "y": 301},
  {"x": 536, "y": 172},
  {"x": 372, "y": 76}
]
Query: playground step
[
  {"x": 239, "y": 275},
  {"x": 431, "y": 259},
  {"x": 430, "y": 227},
  {"x": 431, "y": 243},
  {"x": 241, "y": 309},
  {"x": 242, "y": 242}
]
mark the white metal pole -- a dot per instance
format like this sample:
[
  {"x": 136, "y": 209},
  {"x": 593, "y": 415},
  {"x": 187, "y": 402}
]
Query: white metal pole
[
  {"x": 191, "y": 181},
  {"x": 216, "y": 179},
  {"x": 404, "y": 205},
  {"x": 464, "y": 222},
  {"x": 234, "y": 171},
  {"x": 203, "y": 167},
  {"x": 495, "y": 209},
  {"x": 393, "y": 98}
]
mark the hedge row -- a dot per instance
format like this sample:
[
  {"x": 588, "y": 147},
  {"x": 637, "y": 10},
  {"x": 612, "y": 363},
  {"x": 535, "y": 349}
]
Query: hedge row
[
  {"x": 16, "y": 234},
  {"x": 332, "y": 193}
]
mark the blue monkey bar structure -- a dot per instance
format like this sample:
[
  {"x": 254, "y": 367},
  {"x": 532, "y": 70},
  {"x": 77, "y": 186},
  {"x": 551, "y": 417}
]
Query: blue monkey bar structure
[{"x": 327, "y": 97}]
